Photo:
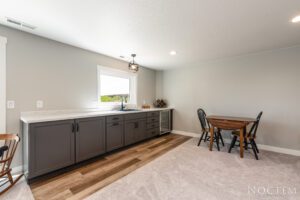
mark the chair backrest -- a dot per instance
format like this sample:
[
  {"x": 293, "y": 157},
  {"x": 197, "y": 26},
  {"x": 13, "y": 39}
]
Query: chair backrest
[
  {"x": 11, "y": 141},
  {"x": 202, "y": 118},
  {"x": 254, "y": 127}
]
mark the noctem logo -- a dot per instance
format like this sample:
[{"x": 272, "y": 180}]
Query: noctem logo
[{"x": 271, "y": 192}]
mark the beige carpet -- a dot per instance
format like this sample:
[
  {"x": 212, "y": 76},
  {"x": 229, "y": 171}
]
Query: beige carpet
[
  {"x": 191, "y": 172},
  {"x": 21, "y": 191}
]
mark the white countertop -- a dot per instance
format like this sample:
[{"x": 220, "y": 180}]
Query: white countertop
[{"x": 46, "y": 116}]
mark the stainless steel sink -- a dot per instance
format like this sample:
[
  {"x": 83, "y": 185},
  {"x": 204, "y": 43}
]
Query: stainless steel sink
[{"x": 128, "y": 110}]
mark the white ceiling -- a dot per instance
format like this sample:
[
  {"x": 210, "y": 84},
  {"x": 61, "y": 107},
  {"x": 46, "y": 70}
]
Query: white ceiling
[{"x": 198, "y": 30}]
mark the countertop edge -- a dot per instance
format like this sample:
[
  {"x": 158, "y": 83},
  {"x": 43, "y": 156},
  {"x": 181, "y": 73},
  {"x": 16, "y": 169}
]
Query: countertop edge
[{"x": 74, "y": 116}]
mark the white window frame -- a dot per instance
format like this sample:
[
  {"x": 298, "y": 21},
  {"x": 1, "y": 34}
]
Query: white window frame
[
  {"x": 121, "y": 74},
  {"x": 3, "y": 42}
]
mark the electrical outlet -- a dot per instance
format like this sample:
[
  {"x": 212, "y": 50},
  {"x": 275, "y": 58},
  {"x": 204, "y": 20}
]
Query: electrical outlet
[
  {"x": 39, "y": 104},
  {"x": 10, "y": 104}
]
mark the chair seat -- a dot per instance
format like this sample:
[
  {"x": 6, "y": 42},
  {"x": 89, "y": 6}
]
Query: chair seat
[{"x": 237, "y": 133}]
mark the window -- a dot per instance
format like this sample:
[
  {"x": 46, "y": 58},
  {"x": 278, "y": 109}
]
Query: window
[{"x": 113, "y": 85}]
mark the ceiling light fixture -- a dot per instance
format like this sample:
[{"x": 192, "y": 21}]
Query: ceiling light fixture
[
  {"x": 296, "y": 19},
  {"x": 173, "y": 53},
  {"x": 132, "y": 65}
]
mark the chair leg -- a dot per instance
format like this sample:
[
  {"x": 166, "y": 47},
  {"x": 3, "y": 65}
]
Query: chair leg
[
  {"x": 200, "y": 139},
  {"x": 12, "y": 184},
  {"x": 10, "y": 178},
  {"x": 217, "y": 141},
  {"x": 205, "y": 139},
  {"x": 253, "y": 148},
  {"x": 232, "y": 143},
  {"x": 246, "y": 143},
  {"x": 221, "y": 139}
]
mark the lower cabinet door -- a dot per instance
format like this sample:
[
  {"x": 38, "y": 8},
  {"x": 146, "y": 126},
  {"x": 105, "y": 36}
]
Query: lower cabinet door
[
  {"x": 51, "y": 146},
  {"x": 135, "y": 131},
  {"x": 114, "y": 136},
  {"x": 130, "y": 129},
  {"x": 141, "y": 134},
  {"x": 90, "y": 138}
]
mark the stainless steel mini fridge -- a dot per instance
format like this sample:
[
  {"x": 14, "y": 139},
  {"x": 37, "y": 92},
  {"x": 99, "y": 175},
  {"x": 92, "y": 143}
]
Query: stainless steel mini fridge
[{"x": 165, "y": 121}]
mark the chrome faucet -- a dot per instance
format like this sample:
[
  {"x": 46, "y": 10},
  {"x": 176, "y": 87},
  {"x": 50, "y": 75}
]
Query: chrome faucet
[{"x": 122, "y": 103}]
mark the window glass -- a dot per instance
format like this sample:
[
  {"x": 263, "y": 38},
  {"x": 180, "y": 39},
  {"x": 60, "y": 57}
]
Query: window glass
[{"x": 113, "y": 89}]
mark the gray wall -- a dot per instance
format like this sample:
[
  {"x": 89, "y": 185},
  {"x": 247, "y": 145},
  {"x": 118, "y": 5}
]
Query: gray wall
[
  {"x": 64, "y": 77},
  {"x": 241, "y": 86}
]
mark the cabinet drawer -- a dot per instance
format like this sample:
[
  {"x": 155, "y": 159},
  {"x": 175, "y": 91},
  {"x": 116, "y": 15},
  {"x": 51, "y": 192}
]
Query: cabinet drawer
[
  {"x": 152, "y": 119},
  {"x": 114, "y": 118},
  {"x": 135, "y": 116},
  {"x": 153, "y": 114},
  {"x": 152, "y": 132},
  {"x": 113, "y": 124},
  {"x": 153, "y": 125}
]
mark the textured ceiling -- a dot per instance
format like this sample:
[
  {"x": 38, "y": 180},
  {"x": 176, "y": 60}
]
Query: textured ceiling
[{"x": 198, "y": 30}]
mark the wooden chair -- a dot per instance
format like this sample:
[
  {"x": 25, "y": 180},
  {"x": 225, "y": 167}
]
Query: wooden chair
[
  {"x": 205, "y": 129},
  {"x": 250, "y": 136},
  {"x": 11, "y": 142}
]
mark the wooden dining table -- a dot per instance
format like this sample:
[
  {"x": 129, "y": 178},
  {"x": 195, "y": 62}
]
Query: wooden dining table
[{"x": 229, "y": 123}]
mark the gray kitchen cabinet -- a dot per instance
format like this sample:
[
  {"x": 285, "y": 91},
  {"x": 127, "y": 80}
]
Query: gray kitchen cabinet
[
  {"x": 114, "y": 118},
  {"x": 130, "y": 130},
  {"x": 141, "y": 132},
  {"x": 135, "y": 116},
  {"x": 152, "y": 124},
  {"x": 90, "y": 137},
  {"x": 135, "y": 130},
  {"x": 114, "y": 135},
  {"x": 49, "y": 146},
  {"x": 153, "y": 114},
  {"x": 152, "y": 132}
]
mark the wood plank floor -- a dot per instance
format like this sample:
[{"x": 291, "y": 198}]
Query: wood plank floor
[{"x": 83, "y": 181}]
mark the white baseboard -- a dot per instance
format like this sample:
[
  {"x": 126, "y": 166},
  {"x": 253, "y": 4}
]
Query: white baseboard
[
  {"x": 190, "y": 134},
  {"x": 260, "y": 146},
  {"x": 279, "y": 149}
]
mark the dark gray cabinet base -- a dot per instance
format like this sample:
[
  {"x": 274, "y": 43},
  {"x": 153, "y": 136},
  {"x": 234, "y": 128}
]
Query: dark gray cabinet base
[
  {"x": 114, "y": 136},
  {"x": 49, "y": 146},
  {"x": 90, "y": 138}
]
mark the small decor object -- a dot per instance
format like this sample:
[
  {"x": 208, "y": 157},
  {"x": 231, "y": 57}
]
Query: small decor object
[
  {"x": 132, "y": 65},
  {"x": 145, "y": 105},
  {"x": 160, "y": 103}
]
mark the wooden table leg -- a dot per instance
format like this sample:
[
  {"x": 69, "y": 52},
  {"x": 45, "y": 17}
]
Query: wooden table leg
[
  {"x": 242, "y": 142},
  {"x": 211, "y": 138}
]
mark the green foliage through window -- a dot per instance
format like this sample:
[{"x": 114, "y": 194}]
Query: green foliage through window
[{"x": 114, "y": 98}]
